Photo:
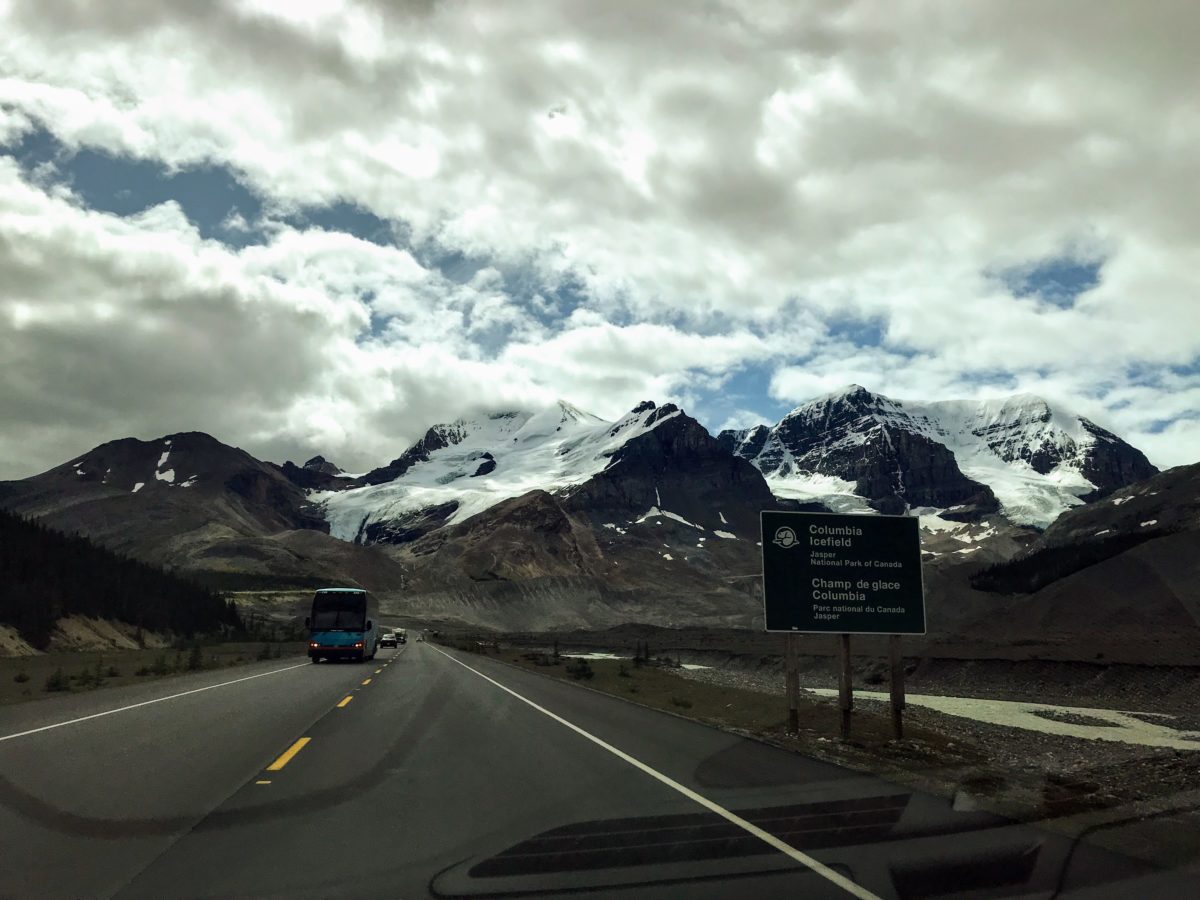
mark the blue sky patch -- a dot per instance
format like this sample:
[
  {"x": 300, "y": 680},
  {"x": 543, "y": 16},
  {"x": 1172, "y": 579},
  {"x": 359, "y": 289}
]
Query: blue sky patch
[
  {"x": 746, "y": 388},
  {"x": 1187, "y": 369},
  {"x": 868, "y": 332},
  {"x": 353, "y": 220},
  {"x": 1158, "y": 426},
  {"x": 1057, "y": 281},
  {"x": 124, "y": 186}
]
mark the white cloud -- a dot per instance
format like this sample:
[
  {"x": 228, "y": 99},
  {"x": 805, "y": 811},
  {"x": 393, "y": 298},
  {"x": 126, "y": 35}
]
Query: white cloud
[
  {"x": 722, "y": 179},
  {"x": 114, "y": 326},
  {"x": 13, "y": 124},
  {"x": 742, "y": 419}
]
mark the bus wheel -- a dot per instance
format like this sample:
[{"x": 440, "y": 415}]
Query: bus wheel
[{"x": 316, "y": 659}]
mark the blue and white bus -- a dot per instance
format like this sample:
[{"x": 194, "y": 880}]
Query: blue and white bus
[{"x": 339, "y": 627}]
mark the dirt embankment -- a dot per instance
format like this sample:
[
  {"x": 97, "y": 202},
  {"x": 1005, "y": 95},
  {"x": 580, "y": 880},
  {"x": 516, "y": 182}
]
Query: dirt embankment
[
  {"x": 83, "y": 633},
  {"x": 12, "y": 644}
]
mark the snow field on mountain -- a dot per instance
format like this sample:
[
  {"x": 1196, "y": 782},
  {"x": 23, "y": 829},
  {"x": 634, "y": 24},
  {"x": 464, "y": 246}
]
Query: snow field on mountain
[
  {"x": 1026, "y": 495},
  {"x": 836, "y": 493},
  {"x": 550, "y": 450},
  {"x": 968, "y": 428},
  {"x": 654, "y": 512},
  {"x": 970, "y": 532}
]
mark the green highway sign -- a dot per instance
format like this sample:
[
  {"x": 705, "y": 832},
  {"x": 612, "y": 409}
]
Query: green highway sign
[{"x": 842, "y": 574}]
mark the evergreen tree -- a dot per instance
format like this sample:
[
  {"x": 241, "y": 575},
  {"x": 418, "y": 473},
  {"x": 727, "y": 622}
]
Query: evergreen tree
[{"x": 45, "y": 575}]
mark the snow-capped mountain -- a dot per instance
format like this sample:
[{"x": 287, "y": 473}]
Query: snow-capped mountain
[
  {"x": 460, "y": 469},
  {"x": 852, "y": 449},
  {"x": 494, "y": 430},
  {"x": 553, "y": 517}
]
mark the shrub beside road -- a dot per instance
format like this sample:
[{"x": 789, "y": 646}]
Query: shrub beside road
[{"x": 30, "y": 677}]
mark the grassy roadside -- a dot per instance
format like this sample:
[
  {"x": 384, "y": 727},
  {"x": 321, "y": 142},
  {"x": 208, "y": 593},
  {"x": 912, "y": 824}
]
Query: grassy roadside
[
  {"x": 24, "y": 678},
  {"x": 763, "y": 715}
]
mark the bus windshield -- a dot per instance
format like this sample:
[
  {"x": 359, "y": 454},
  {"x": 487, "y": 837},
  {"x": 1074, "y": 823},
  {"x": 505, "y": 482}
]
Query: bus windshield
[{"x": 339, "y": 612}]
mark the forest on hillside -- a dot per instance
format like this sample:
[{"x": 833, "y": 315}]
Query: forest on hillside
[{"x": 45, "y": 574}]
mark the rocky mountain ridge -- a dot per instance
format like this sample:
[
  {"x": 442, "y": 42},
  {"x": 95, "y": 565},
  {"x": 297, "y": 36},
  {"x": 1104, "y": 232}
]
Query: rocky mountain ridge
[
  {"x": 190, "y": 503},
  {"x": 552, "y": 517},
  {"x": 968, "y": 459}
]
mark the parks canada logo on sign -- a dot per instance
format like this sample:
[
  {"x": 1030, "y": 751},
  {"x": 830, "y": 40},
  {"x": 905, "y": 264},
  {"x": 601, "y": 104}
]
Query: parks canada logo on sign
[
  {"x": 785, "y": 537},
  {"x": 842, "y": 574}
]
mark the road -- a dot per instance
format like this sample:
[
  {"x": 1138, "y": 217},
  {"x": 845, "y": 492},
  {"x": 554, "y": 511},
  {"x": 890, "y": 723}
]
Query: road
[{"x": 446, "y": 774}]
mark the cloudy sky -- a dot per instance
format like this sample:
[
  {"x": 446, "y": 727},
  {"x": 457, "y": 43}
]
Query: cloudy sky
[{"x": 322, "y": 226}]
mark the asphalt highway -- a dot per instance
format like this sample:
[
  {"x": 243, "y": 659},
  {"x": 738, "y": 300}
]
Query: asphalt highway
[{"x": 436, "y": 773}]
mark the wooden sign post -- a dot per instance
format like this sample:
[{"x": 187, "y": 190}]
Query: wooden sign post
[
  {"x": 845, "y": 684},
  {"x": 896, "y": 667},
  {"x": 792, "y": 680}
]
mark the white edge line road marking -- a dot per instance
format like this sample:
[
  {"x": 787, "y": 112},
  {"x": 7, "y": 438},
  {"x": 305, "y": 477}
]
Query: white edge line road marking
[
  {"x": 109, "y": 712},
  {"x": 787, "y": 849}
]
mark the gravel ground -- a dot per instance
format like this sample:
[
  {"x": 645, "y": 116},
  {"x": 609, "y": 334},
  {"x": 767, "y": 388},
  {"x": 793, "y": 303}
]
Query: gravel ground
[{"x": 1071, "y": 773}]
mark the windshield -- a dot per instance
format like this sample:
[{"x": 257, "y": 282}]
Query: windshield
[
  {"x": 779, "y": 423},
  {"x": 339, "y": 612}
]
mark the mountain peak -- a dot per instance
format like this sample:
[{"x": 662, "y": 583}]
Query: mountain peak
[
  {"x": 321, "y": 464},
  {"x": 838, "y": 408},
  {"x": 853, "y": 392},
  {"x": 183, "y": 439},
  {"x": 850, "y": 390},
  {"x": 573, "y": 412}
]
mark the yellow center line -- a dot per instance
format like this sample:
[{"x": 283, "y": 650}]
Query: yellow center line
[
  {"x": 377, "y": 671},
  {"x": 368, "y": 681},
  {"x": 287, "y": 755},
  {"x": 262, "y": 782},
  {"x": 345, "y": 700}
]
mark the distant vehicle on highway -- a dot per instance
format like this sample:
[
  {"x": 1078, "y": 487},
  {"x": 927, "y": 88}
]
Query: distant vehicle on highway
[
  {"x": 387, "y": 639},
  {"x": 402, "y": 635},
  {"x": 339, "y": 627}
]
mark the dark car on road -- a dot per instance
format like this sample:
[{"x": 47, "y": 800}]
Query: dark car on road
[{"x": 388, "y": 639}]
